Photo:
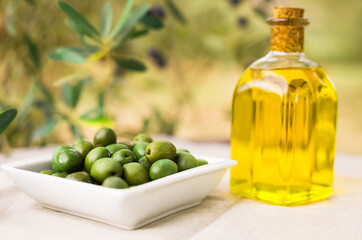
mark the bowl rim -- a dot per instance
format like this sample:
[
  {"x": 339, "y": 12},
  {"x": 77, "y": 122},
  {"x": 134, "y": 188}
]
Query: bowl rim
[{"x": 220, "y": 163}]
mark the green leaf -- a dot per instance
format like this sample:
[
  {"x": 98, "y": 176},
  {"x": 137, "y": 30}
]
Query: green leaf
[
  {"x": 6, "y": 117},
  {"x": 130, "y": 64},
  {"x": 71, "y": 93},
  {"x": 46, "y": 107},
  {"x": 138, "y": 33},
  {"x": 85, "y": 52},
  {"x": 166, "y": 126},
  {"x": 67, "y": 54},
  {"x": 124, "y": 38},
  {"x": 91, "y": 114},
  {"x": 135, "y": 17},
  {"x": 122, "y": 19},
  {"x": 106, "y": 22},
  {"x": 97, "y": 122},
  {"x": 70, "y": 78},
  {"x": 152, "y": 22},
  {"x": 130, "y": 35},
  {"x": 96, "y": 118},
  {"x": 45, "y": 129},
  {"x": 129, "y": 25},
  {"x": 87, "y": 45},
  {"x": 176, "y": 13},
  {"x": 49, "y": 98},
  {"x": 81, "y": 34},
  {"x": 260, "y": 12},
  {"x": 29, "y": 99},
  {"x": 76, "y": 132},
  {"x": 30, "y": 2},
  {"x": 10, "y": 18},
  {"x": 33, "y": 51},
  {"x": 80, "y": 22},
  {"x": 75, "y": 27},
  {"x": 98, "y": 112},
  {"x": 10, "y": 25},
  {"x": 145, "y": 125},
  {"x": 159, "y": 117},
  {"x": 101, "y": 96},
  {"x": 91, "y": 42}
]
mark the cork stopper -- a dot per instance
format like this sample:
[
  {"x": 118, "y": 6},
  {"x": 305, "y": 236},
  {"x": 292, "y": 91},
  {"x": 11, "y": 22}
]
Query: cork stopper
[
  {"x": 287, "y": 32},
  {"x": 287, "y": 12}
]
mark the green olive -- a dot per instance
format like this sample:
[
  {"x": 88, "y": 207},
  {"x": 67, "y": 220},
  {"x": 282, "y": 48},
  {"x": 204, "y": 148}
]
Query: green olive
[
  {"x": 83, "y": 147},
  {"x": 60, "y": 174},
  {"x": 139, "y": 149},
  {"x": 94, "y": 155},
  {"x": 161, "y": 149},
  {"x": 182, "y": 150},
  {"x": 104, "y": 137},
  {"x": 115, "y": 182},
  {"x": 135, "y": 174},
  {"x": 67, "y": 160},
  {"x": 104, "y": 168},
  {"x": 141, "y": 138},
  {"x": 162, "y": 168},
  {"x": 80, "y": 176},
  {"x": 202, "y": 162},
  {"x": 128, "y": 144},
  {"x": 124, "y": 156},
  {"x": 47, "y": 172},
  {"x": 58, "y": 150},
  {"x": 143, "y": 161},
  {"x": 185, "y": 161},
  {"x": 115, "y": 147}
]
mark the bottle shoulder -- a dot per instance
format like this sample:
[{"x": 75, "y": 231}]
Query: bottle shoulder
[
  {"x": 283, "y": 80},
  {"x": 275, "y": 60}
]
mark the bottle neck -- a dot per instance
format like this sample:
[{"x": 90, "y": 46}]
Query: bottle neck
[{"x": 287, "y": 38}]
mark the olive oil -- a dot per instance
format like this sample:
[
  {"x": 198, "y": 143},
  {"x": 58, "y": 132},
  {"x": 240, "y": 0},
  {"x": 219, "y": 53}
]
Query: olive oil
[{"x": 283, "y": 129}]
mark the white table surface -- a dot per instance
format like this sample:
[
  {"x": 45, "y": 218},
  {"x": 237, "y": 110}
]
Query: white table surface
[{"x": 220, "y": 216}]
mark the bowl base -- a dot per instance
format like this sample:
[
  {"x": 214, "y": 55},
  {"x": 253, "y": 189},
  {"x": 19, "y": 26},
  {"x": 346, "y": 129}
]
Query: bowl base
[{"x": 127, "y": 227}]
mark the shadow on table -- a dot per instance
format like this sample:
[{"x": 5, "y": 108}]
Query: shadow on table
[{"x": 213, "y": 206}]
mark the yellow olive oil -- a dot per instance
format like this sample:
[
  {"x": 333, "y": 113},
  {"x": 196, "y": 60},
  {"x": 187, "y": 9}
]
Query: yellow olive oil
[{"x": 283, "y": 135}]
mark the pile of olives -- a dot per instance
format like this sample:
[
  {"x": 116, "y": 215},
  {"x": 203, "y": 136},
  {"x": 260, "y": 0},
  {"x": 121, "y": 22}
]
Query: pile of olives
[{"x": 120, "y": 165}]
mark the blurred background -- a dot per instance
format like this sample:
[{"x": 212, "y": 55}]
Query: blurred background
[{"x": 174, "y": 76}]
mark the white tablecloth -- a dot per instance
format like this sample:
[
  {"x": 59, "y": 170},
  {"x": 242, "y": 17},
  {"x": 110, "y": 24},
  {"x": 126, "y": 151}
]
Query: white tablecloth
[{"x": 220, "y": 216}]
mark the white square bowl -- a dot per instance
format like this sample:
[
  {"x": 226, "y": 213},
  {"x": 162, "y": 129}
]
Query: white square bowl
[{"x": 125, "y": 208}]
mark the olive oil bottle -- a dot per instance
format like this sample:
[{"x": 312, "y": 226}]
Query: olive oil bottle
[{"x": 284, "y": 121}]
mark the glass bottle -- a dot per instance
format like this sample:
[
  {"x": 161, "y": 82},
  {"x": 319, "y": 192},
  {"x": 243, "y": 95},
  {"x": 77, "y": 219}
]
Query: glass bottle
[{"x": 283, "y": 127}]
